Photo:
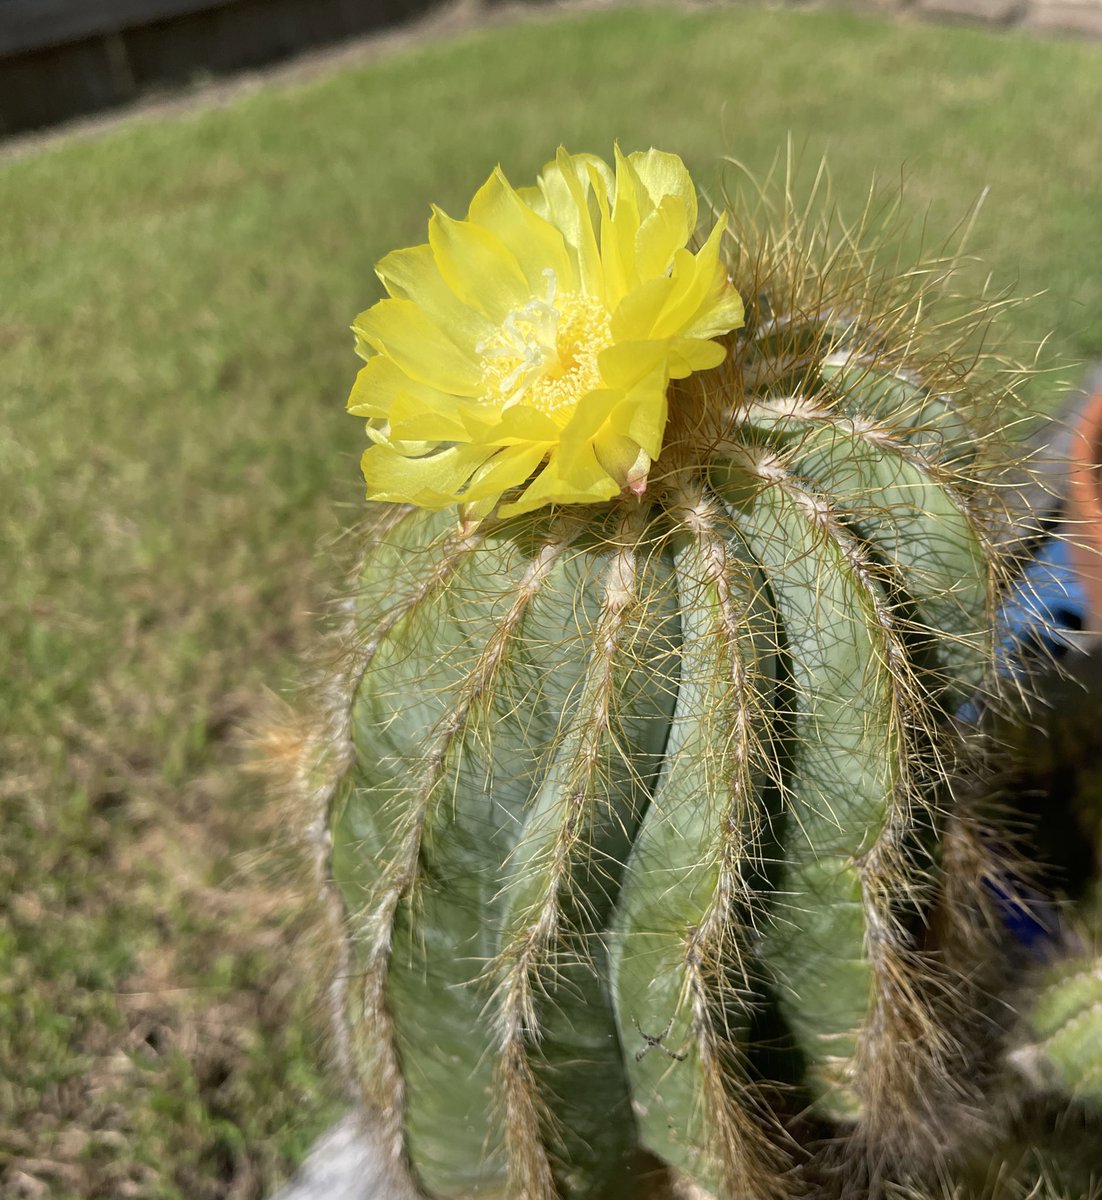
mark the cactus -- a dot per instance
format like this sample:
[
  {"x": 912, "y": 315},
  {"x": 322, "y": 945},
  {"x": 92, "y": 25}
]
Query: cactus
[
  {"x": 1069, "y": 1030},
  {"x": 1048, "y": 784},
  {"x": 636, "y": 813}
]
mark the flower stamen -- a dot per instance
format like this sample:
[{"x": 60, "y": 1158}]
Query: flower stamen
[{"x": 545, "y": 353}]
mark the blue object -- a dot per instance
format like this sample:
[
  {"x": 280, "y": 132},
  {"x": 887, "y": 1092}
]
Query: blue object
[
  {"x": 1038, "y": 618},
  {"x": 1046, "y": 605},
  {"x": 1036, "y": 624},
  {"x": 1029, "y": 916}
]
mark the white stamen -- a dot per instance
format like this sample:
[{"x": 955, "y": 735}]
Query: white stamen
[{"x": 527, "y": 347}]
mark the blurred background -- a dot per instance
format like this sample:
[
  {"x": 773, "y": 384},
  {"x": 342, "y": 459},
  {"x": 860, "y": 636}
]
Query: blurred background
[{"x": 184, "y": 241}]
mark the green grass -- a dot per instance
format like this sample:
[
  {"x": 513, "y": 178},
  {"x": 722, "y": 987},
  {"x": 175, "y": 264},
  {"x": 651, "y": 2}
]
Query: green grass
[{"x": 174, "y": 303}]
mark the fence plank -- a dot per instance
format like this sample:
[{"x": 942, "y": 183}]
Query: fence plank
[
  {"x": 39, "y": 24},
  {"x": 73, "y": 75}
]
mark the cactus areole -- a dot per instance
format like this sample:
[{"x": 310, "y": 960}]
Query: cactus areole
[{"x": 633, "y": 781}]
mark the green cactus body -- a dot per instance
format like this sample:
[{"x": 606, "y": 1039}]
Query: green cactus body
[
  {"x": 421, "y": 745},
  {"x": 855, "y": 730},
  {"x": 679, "y": 950},
  {"x": 565, "y": 871},
  {"x": 926, "y": 421},
  {"x": 841, "y": 779},
  {"x": 913, "y": 521},
  {"x": 617, "y": 780},
  {"x": 1067, "y": 1020}
]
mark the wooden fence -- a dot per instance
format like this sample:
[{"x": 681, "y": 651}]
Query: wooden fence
[{"x": 63, "y": 58}]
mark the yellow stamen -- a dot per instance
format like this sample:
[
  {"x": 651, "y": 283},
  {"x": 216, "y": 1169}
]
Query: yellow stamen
[{"x": 545, "y": 354}]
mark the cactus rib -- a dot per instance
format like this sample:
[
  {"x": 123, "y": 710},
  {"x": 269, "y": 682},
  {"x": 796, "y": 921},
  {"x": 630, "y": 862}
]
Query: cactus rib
[
  {"x": 843, "y": 777},
  {"x": 902, "y": 506},
  {"x": 332, "y": 757},
  {"x": 562, "y": 870},
  {"x": 428, "y": 744},
  {"x": 679, "y": 961}
]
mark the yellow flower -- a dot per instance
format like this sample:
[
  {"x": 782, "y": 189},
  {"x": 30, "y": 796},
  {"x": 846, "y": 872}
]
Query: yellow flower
[{"x": 528, "y": 349}]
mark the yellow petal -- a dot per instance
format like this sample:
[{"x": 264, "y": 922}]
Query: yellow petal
[
  {"x": 582, "y": 479},
  {"x": 642, "y": 417},
  {"x": 687, "y": 355},
  {"x": 477, "y": 267},
  {"x": 630, "y": 186},
  {"x": 471, "y": 515},
  {"x": 664, "y": 174},
  {"x": 618, "y": 229},
  {"x": 588, "y": 419},
  {"x": 660, "y": 236},
  {"x": 567, "y": 188},
  {"x": 601, "y": 175},
  {"x": 379, "y": 384},
  {"x": 696, "y": 300},
  {"x": 509, "y": 468},
  {"x": 413, "y": 274},
  {"x": 588, "y": 482},
  {"x": 700, "y": 294},
  {"x": 428, "y": 416},
  {"x": 431, "y": 481},
  {"x": 635, "y": 316},
  {"x": 721, "y": 311},
  {"x": 626, "y": 363},
  {"x": 364, "y": 400},
  {"x": 363, "y": 348},
  {"x": 523, "y": 424},
  {"x": 401, "y": 330},
  {"x": 536, "y": 200},
  {"x": 537, "y": 245},
  {"x": 692, "y": 282}
]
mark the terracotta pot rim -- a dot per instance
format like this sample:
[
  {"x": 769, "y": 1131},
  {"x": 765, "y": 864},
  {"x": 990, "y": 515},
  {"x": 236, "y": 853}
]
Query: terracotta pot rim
[{"x": 1084, "y": 505}]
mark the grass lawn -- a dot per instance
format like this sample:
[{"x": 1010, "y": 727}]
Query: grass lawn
[{"x": 174, "y": 304}]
